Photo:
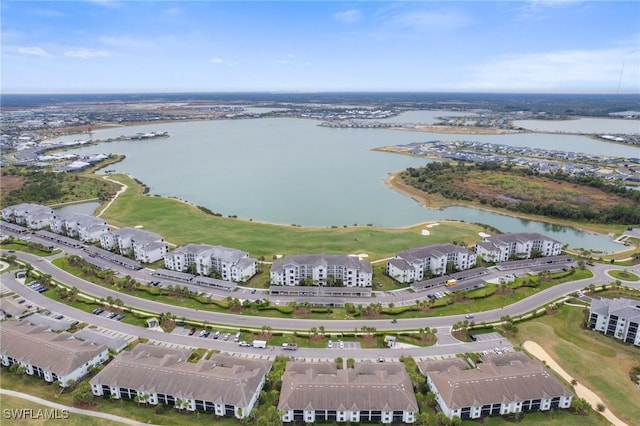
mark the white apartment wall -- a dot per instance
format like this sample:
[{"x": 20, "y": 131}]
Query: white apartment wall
[{"x": 108, "y": 241}]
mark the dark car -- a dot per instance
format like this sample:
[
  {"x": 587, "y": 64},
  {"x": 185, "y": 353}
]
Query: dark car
[{"x": 192, "y": 331}]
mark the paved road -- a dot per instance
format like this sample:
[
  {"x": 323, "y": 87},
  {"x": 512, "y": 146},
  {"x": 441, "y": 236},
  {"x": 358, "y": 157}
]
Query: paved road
[{"x": 447, "y": 345}]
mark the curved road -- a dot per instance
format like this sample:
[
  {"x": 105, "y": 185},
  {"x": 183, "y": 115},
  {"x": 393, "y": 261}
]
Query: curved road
[{"x": 446, "y": 344}]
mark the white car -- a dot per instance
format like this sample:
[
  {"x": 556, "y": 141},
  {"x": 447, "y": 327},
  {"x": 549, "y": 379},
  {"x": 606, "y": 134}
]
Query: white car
[
  {"x": 341, "y": 345},
  {"x": 329, "y": 344}
]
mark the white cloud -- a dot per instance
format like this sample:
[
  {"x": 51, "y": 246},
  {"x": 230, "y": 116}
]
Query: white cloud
[
  {"x": 85, "y": 53},
  {"x": 47, "y": 13},
  {"x": 173, "y": 11},
  {"x": 540, "y": 9},
  {"x": 127, "y": 42},
  {"x": 568, "y": 70},
  {"x": 33, "y": 50},
  {"x": 422, "y": 20},
  {"x": 348, "y": 16},
  {"x": 220, "y": 61}
]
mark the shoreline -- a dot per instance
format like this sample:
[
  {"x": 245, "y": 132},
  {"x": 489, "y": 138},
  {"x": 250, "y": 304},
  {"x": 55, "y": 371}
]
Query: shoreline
[
  {"x": 392, "y": 182},
  {"x": 458, "y": 130}
]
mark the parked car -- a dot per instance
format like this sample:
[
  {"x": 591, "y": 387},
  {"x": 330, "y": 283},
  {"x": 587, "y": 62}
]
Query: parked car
[{"x": 192, "y": 331}]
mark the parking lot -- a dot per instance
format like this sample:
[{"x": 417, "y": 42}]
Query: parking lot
[
  {"x": 489, "y": 336},
  {"x": 225, "y": 336},
  {"x": 105, "y": 313},
  {"x": 339, "y": 344}
]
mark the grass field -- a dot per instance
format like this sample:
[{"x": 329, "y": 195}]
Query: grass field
[
  {"x": 181, "y": 223},
  {"x": 13, "y": 403},
  {"x": 36, "y": 387},
  {"x": 600, "y": 363}
]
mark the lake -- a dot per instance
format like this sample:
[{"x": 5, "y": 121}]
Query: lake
[{"x": 292, "y": 171}]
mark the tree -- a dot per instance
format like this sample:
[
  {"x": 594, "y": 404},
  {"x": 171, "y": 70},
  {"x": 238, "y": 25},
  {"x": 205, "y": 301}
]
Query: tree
[
  {"x": 580, "y": 406},
  {"x": 83, "y": 393}
]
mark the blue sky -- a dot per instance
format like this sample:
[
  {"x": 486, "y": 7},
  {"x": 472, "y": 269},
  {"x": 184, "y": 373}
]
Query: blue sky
[{"x": 547, "y": 46}]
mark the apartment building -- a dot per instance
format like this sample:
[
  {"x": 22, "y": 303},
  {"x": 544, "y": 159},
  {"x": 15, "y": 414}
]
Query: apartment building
[
  {"x": 51, "y": 356},
  {"x": 499, "y": 385},
  {"x": 504, "y": 247},
  {"x": 84, "y": 227},
  {"x": 618, "y": 318},
  {"x": 321, "y": 269},
  {"x": 368, "y": 392},
  {"x": 231, "y": 264},
  {"x": 415, "y": 264},
  {"x": 146, "y": 247},
  {"x": 33, "y": 216},
  {"x": 223, "y": 385}
]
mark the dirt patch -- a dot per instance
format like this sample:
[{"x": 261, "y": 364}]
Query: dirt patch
[{"x": 10, "y": 183}]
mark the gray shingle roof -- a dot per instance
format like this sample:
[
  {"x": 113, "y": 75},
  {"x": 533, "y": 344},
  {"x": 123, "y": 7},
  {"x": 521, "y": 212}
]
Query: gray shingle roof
[
  {"x": 221, "y": 379},
  {"x": 321, "y": 260},
  {"x": 628, "y": 309},
  {"x": 59, "y": 353},
  {"x": 499, "y": 379},
  {"x": 367, "y": 386}
]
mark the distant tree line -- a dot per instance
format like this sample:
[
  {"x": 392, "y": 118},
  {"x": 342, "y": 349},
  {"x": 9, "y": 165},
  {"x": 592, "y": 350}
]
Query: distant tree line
[{"x": 447, "y": 180}]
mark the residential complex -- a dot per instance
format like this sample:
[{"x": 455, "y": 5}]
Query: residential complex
[
  {"x": 368, "y": 392},
  {"x": 498, "y": 385},
  {"x": 416, "y": 264},
  {"x": 230, "y": 264},
  {"x": 145, "y": 246},
  {"x": 53, "y": 356},
  {"x": 82, "y": 226},
  {"x": 616, "y": 317},
  {"x": 223, "y": 385},
  {"x": 33, "y": 216},
  {"x": 503, "y": 247},
  {"x": 321, "y": 269}
]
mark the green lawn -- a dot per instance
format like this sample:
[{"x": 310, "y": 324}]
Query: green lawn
[
  {"x": 124, "y": 408},
  {"x": 13, "y": 403},
  {"x": 599, "y": 362},
  {"x": 181, "y": 223},
  {"x": 623, "y": 275}
]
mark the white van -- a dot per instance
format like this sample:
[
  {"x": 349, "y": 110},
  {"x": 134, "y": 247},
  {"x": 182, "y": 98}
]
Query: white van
[{"x": 236, "y": 338}]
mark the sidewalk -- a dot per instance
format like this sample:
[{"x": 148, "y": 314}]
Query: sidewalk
[
  {"x": 580, "y": 390},
  {"x": 74, "y": 410}
]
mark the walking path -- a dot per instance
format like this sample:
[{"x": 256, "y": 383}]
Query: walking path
[
  {"x": 580, "y": 390},
  {"x": 74, "y": 410},
  {"x": 123, "y": 188}
]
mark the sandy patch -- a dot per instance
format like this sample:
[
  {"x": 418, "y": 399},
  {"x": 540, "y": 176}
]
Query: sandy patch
[
  {"x": 139, "y": 226},
  {"x": 431, "y": 225},
  {"x": 278, "y": 256},
  {"x": 359, "y": 255},
  {"x": 484, "y": 234},
  {"x": 425, "y": 232},
  {"x": 580, "y": 390}
]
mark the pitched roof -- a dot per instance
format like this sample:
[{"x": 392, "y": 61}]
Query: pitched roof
[
  {"x": 628, "y": 309},
  {"x": 59, "y": 353},
  {"x": 367, "y": 386},
  {"x": 436, "y": 250},
  {"x": 322, "y": 259},
  {"x": 221, "y": 379},
  {"x": 498, "y": 379}
]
